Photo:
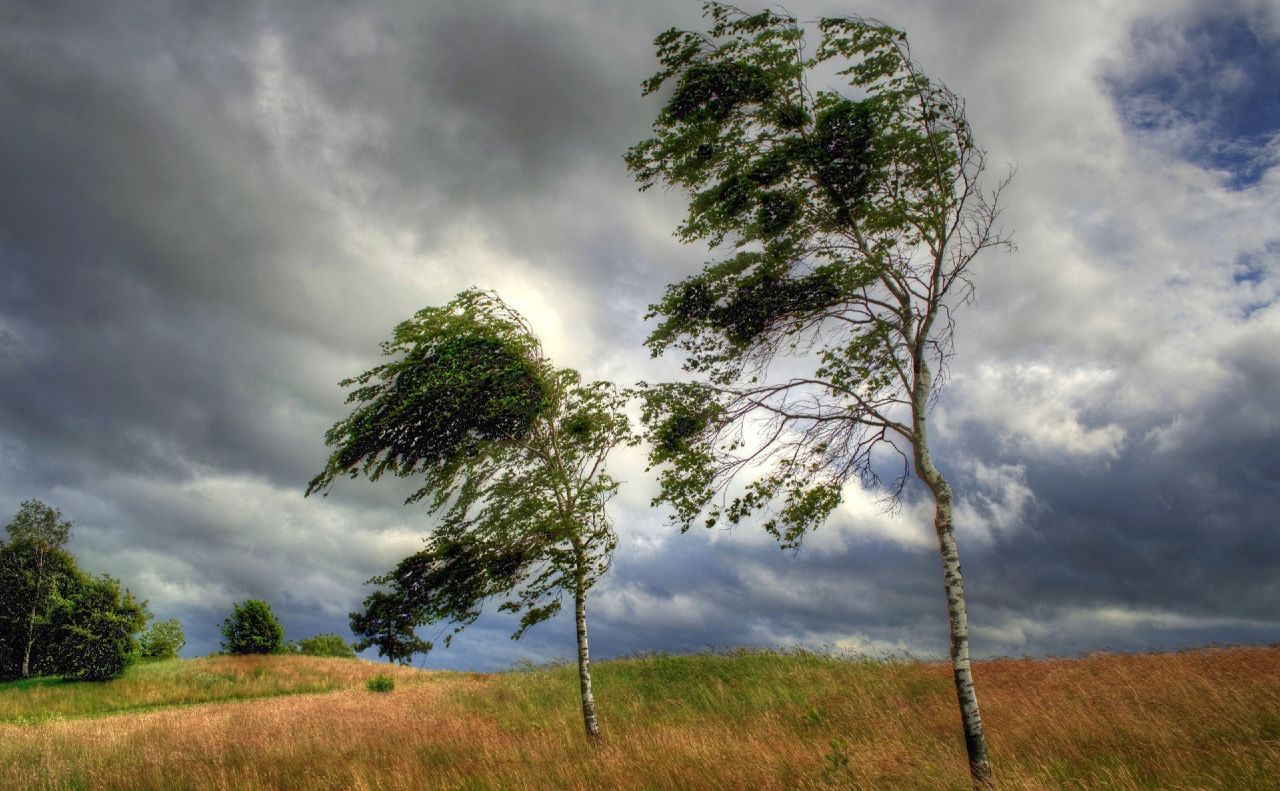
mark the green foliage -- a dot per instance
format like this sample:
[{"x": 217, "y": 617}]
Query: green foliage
[
  {"x": 34, "y": 570},
  {"x": 381, "y": 684},
  {"x": 252, "y": 628},
  {"x": 512, "y": 454},
  {"x": 96, "y": 633},
  {"x": 836, "y": 768},
  {"x": 325, "y": 645},
  {"x": 162, "y": 640},
  {"x": 387, "y": 623},
  {"x": 465, "y": 377},
  {"x": 39, "y": 525},
  {"x": 843, "y": 224},
  {"x": 54, "y": 618}
]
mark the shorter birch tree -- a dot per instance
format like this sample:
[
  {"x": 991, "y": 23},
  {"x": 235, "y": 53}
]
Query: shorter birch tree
[{"x": 512, "y": 453}]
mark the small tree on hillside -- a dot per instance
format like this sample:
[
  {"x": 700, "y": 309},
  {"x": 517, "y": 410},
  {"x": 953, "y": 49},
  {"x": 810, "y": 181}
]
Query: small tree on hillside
[
  {"x": 388, "y": 623},
  {"x": 252, "y": 628},
  {"x": 331, "y": 645},
  {"x": 35, "y": 562},
  {"x": 847, "y": 225},
  {"x": 512, "y": 451},
  {"x": 163, "y": 640}
]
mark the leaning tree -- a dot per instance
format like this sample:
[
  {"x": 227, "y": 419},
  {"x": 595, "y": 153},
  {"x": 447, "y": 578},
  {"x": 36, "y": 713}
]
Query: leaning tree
[
  {"x": 511, "y": 452},
  {"x": 845, "y": 221}
]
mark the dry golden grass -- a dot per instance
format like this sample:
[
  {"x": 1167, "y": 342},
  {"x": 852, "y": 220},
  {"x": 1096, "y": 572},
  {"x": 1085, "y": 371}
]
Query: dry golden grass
[
  {"x": 1198, "y": 720},
  {"x": 181, "y": 682}
]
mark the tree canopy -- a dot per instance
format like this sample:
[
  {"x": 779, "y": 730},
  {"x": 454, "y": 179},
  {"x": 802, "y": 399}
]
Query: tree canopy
[
  {"x": 162, "y": 640},
  {"x": 388, "y": 623},
  {"x": 844, "y": 222},
  {"x": 511, "y": 451},
  {"x": 846, "y": 226},
  {"x": 252, "y": 628}
]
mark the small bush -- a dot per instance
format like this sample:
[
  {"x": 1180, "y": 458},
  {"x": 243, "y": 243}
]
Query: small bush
[
  {"x": 325, "y": 645},
  {"x": 163, "y": 640},
  {"x": 381, "y": 684},
  {"x": 252, "y": 629}
]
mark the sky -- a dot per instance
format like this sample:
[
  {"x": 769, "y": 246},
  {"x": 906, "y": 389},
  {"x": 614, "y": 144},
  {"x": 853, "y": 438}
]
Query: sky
[{"x": 210, "y": 213}]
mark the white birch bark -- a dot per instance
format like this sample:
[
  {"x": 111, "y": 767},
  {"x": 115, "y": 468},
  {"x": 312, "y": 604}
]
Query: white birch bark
[
  {"x": 589, "y": 720},
  {"x": 31, "y": 622},
  {"x": 975, "y": 740}
]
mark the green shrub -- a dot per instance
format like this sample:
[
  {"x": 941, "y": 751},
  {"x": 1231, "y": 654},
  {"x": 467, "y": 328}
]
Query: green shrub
[
  {"x": 381, "y": 684},
  {"x": 325, "y": 645},
  {"x": 252, "y": 629},
  {"x": 97, "y": 630},
  {"x": 163, "y": 640}
]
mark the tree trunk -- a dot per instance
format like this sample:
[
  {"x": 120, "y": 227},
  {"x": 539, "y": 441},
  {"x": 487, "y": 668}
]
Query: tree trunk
[
  {"x": 31, "y": 622},
  {"x": 589, "y": 720},
  {"x": 31, "y": 639},
  {"x": 974, "y": 739}
]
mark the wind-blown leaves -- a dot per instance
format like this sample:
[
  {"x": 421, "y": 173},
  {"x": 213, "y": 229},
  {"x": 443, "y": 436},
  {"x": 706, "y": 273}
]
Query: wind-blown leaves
[
  {"x": 846, "y": 225},
  {"x": 843, "y": 223},
  {"x": 465, "y": 376},
  {"x": 511, "y": 452}
]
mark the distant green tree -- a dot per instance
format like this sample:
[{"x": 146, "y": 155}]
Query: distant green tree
[
  {"x": 35, "y": 565},
  {"x": 325, "y": 645},
  {"x": 252, "y": 628},
  {"x": 512, "y": 452},
  {"x": 845, "y": 222},
  {"x": 388, "y": 623},
  {"x": 162, "y": 640}
]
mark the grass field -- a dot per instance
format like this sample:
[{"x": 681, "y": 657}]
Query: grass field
[{"x": 1197, "y": 720}]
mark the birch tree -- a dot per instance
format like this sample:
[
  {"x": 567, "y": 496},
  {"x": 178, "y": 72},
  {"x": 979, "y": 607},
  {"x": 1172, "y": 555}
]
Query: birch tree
[
  {"x": 512, "y": 455},
  {"x": 38, "y": 560},
  {"x": 844, "y": 222}
]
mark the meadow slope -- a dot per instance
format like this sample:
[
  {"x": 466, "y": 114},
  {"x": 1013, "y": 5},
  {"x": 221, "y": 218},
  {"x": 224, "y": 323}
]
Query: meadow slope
[{"x": 1206, "y": 719}]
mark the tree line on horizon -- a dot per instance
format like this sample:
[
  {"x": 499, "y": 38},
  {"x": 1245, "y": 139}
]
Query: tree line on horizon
[
  {"x": 843, "y": 225},
  {"x": 57, "y": 619}
]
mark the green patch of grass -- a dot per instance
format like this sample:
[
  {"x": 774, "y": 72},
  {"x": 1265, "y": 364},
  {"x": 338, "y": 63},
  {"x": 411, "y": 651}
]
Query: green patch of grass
[
  {"x": 178, "y": 682},
  {"x": 381, "y": 684},
  {"x": 729, "y": 688}
]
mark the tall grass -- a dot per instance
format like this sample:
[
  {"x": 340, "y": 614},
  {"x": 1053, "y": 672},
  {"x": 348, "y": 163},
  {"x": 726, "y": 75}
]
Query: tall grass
[
  {"x": 1199, "y": 720},
  {"x": 183, "y": 682}
]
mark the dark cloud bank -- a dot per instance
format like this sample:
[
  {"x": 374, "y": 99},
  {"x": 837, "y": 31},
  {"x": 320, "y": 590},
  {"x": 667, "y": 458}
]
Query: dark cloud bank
[{"x": 184, "y": 191}]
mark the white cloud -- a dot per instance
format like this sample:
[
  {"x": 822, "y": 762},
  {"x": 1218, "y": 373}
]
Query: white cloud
[{"x": 1038, "y": 409}]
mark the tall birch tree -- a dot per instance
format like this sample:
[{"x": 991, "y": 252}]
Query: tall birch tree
[
  {"x": 512, "y": 453},
  {"x": 845, "y": 222},
  {"x": 36, "y": 553}
]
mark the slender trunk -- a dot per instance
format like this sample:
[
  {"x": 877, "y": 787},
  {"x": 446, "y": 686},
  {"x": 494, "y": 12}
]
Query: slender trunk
[
  {"x": 589, "y": 720},
  {"x": 31, "y": 639},
  {"x": 31, "y": 621},
  {"x": 974, "y": 739}
]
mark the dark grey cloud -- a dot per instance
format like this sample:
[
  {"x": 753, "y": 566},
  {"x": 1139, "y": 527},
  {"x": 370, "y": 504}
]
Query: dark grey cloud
[{"x": 210, "y": 213}]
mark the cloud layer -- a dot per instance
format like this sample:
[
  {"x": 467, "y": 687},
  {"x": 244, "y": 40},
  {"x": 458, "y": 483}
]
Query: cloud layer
[{"x": 211, "y": 214}]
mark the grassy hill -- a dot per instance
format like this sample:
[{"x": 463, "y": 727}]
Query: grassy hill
[{"x": 1199, "y": 720}]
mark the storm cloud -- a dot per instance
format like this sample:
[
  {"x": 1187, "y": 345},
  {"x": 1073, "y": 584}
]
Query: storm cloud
[{"x": 211, "y": 213}]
